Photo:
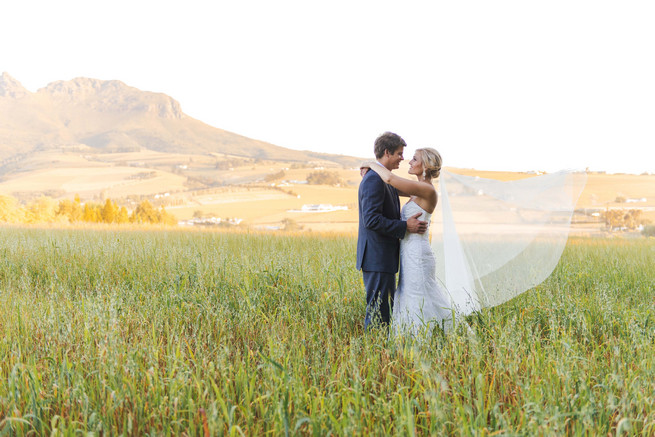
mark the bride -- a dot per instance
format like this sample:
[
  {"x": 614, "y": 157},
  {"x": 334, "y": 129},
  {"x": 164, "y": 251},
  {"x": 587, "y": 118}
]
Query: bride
[{"x": 420, "y": 301}]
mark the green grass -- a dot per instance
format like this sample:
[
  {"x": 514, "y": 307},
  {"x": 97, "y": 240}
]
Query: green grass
[{"x": 168, "y": 332}]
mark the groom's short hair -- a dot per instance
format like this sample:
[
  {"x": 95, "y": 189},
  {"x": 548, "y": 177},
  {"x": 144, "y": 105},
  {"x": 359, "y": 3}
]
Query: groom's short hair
[{"x": 388, "y": 141}]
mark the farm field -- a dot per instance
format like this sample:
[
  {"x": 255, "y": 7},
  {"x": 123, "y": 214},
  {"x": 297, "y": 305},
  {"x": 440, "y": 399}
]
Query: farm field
[
  {"x": 214, "y": 333},
  {"x": 262, "y": 206},
  {"x": 263, "y": 194}
]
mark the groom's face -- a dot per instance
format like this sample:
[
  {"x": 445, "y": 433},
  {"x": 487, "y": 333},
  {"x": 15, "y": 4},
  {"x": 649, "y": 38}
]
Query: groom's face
[{"x": 394, "y": 159}]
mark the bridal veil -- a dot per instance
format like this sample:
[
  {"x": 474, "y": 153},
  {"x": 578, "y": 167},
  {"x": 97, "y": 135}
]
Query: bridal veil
[{"x": 493, "y": 240}]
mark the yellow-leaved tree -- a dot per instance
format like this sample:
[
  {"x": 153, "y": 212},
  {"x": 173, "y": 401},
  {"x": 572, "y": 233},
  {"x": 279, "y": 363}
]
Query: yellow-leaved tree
[
  {"x": 10, "y": 210},
  {"x": 42, "y": 210}
]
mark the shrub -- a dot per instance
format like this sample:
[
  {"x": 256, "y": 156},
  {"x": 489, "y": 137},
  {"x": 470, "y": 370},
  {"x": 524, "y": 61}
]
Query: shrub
[
  {"x": 648, "y": 231},
  {"x": 621, "y": 218},
  {"x": 274, "y": 176},
  {"x": 324, "y": 177}
]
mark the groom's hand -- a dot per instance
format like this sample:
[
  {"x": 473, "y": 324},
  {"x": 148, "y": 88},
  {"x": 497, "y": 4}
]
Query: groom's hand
[{"x": 416, "y": 226}]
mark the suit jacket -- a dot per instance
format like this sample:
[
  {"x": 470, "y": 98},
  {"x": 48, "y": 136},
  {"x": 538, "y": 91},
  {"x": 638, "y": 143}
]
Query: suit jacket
[{"x": 380, "y": 226}]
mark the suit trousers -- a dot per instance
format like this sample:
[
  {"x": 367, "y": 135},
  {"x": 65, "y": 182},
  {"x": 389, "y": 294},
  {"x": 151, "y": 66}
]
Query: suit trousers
[{"x": 380, "y": 288}]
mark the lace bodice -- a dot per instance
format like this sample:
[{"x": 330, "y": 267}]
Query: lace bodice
[
  {"x": 419, "y": 299},
  {"x": 411, "y": 208}
]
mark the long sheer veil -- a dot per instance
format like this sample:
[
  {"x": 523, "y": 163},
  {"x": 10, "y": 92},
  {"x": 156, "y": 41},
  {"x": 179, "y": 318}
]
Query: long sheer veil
[{"x": 493, "y": 240}]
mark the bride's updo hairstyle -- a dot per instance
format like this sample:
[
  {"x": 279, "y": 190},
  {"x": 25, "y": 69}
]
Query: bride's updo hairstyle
[{"x": 431, "y": 161}]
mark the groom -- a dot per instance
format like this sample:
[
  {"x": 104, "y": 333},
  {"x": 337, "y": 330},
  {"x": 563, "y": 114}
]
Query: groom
[{"x": 380, "y": 231}]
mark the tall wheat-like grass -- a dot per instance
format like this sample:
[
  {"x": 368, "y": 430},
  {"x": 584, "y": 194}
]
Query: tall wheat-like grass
[{"x": 169, "y": 332}]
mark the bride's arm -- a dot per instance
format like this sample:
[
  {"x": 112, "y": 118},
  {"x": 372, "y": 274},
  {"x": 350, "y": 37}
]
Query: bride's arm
[
  {"x": 405, "y": 186},
  {"x": 402, "y": 193}
]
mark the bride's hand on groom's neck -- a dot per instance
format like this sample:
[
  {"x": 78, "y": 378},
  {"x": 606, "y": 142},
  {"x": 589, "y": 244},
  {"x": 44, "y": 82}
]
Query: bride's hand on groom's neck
[{"x": 364, "y": 167}]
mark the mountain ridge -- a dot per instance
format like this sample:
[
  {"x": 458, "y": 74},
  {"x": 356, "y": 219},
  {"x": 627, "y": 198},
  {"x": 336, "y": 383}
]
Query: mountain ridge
[
  {"x": 110, "y": 116},
  {"x": 10, "y": 87}
]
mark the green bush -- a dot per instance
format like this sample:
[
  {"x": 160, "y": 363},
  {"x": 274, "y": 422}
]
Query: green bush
[{"x": 324, "y": 177}]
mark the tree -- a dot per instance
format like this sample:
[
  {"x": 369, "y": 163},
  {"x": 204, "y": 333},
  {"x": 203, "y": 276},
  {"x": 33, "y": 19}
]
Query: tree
[
  {"x": 324, "y": 177},
  {"x": 89, "y": 213},
  {"x": 620, "y": 218},
  {"x": 291, "y": 225},
  {"x": 42, "y": 209},
  {"x": 166, "y": 218},
  {"x": 109, "y": 212},
  {"x": 144, "y": 213},
  {"x": 10, "y": 210},
  {"x": 274, "y": 176},
  {"x": 123, "y": 216},
  {"x": 72, "y": 210}
]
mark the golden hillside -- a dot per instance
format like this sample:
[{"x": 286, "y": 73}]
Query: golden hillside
[{"x": 104, "y": 139}]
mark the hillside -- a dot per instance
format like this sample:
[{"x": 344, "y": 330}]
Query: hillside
[
  {"x": 104, "y": 139},
  {"x": 107, "y": 117}
]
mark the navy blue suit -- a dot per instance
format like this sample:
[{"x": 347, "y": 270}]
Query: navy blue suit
[{"x": 378, "y": 245}]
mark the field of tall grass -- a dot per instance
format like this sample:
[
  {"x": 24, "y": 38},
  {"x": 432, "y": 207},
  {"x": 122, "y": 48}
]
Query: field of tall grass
[{"x": 198, "y": 333}]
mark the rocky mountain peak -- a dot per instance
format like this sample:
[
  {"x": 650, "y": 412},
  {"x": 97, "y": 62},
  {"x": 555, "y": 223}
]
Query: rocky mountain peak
[
  {"x": 112, "y": 96},
  {"x": 83, "y": 87},
  {"x": 10, "y": 87}
]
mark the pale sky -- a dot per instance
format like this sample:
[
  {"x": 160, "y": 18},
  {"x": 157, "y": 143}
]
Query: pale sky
[{"x": 498, "y": 85}]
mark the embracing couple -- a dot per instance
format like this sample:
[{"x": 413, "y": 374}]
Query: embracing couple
[{"x": 389, "y": 237}]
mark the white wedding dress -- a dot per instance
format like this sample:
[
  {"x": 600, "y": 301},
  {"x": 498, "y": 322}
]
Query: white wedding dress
[
  {"x": 420, "y": 301},
  {"x": 492, "y": 241}
]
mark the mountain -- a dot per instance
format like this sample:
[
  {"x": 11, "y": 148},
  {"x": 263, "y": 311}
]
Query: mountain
[
  {"x": 111, "y": 117},
  {"x": 10, "y": 87}
]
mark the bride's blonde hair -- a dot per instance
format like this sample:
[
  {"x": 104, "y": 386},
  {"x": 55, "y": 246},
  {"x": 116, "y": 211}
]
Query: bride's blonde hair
[{"x": 431, "y": 161}]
